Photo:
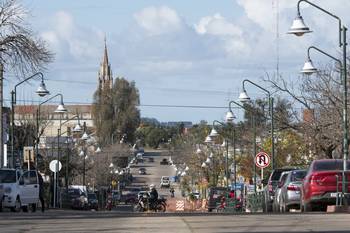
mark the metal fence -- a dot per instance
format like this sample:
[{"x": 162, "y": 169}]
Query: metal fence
[{"x": 253, "y": 202}]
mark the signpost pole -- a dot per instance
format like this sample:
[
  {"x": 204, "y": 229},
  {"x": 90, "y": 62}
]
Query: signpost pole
[{"x": 54, "y": 190}]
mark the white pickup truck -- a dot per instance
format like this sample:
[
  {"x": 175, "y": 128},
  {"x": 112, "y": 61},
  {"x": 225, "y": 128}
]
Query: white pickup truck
[{"x": 20, "y": 189}]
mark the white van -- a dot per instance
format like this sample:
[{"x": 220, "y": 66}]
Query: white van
[{"x": 20, "y": 189}]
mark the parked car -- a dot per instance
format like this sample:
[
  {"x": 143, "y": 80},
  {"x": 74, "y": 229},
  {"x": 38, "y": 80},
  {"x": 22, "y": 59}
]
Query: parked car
[
  {"x": 165, "y": 182},
  {"x": 20, "y": 189},
  {"x": 142, "y": 171},
  {"x": 281, "y": 181},
  {"x": 92, "y": 201},
  {"x": 214, "y": 197},
  {"x": 78, "y": 198},
  {"x": 319, "y": 187},
  {"x": 269, "y": 190},
  {"x": 164, "y": 162},
  {"x": 129, "y": 195},
  {"x": 289, "y": 191}
]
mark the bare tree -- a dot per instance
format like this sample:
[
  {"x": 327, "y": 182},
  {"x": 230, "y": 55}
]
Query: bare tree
[
  {"x": 320, "y": 98},
  {"x": 20, "y": 51}
]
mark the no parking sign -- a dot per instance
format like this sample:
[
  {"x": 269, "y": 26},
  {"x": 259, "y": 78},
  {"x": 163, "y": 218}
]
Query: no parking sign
[{"x": 262, "y": 160}]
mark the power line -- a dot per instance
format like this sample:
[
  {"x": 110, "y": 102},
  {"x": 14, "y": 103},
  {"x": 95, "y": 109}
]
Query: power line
[{"x": 144, "y": 105}]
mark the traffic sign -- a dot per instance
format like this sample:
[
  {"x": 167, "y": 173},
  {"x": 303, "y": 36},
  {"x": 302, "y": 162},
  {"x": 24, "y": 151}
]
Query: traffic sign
[
  {"x": 28, "y": 154},
  {"x": 262, "y": 160},
  {"x": 53, "y": 166}
]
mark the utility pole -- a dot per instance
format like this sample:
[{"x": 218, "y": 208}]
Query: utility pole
[{"x": 1, "y": 117}]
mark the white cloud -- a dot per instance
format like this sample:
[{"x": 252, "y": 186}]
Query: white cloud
[
  {"x": 158, "y": 20},
  {"x": 70, "y": 41},
  {"x": 230, "y": 35},
  {"x": 217, "y": 25}
]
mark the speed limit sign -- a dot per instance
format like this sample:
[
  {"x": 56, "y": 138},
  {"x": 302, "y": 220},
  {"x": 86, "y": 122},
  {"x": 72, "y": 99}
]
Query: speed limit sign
[{"x": 262, "y": 160}]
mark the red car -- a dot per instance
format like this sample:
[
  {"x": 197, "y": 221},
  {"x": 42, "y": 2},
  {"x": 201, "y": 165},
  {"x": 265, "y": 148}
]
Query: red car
[{"x": 319, "y": 187}]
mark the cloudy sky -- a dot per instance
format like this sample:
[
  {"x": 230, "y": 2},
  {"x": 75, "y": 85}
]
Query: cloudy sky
[{"x": 178, "y": 53}]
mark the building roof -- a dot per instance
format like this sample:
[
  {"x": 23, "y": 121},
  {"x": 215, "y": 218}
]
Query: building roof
[{"x": 31, "y": 109}]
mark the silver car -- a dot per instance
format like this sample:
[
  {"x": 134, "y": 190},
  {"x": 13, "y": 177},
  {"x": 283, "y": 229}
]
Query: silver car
[{"x": 289, "y": 197}]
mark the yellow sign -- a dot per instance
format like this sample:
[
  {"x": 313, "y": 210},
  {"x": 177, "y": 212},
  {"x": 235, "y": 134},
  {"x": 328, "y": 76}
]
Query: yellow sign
[{"x": 114, "y": 183}]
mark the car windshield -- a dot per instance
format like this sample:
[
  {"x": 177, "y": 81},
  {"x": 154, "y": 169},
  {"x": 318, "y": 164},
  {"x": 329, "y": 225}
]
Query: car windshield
[
  {"x": 165, "y": 178},
  {"x": 7, "y": 176},
  {"x": 327, "y": 165},
  {"x": 276, "y": 175},
  {"x": 298, "y": 175}
]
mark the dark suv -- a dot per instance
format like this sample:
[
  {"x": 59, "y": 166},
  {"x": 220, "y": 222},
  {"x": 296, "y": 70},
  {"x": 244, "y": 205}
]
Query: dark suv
[{"x": 269, "y": 190}]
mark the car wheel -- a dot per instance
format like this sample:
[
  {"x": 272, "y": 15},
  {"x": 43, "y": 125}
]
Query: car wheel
[
  {"x": 1, "y": 205},
  {"x": 17, "y": 207}
]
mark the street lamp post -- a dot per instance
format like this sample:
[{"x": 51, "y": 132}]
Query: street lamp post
[
  {"x": 85, "y": 137},
  {"x": 244, "y": 97},
  {"x": 229, "y": 119},
  {"x": 41, "y": 91},
  {"x": 214, "y": 134},
  {"x": 60, "y": 109},
  {"x": 299, "y": 28},
  {"x": 309, "y": 67},
  {"x": 76, "y": 129}
]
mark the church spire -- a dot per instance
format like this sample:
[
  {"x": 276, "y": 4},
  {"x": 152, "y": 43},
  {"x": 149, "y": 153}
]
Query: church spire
[
  {"x": 105, "y": 77},
  {"x": 105, "y": 57}
]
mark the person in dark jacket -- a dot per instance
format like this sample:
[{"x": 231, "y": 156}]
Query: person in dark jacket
[
  {"x": 153, "y": 195},
  {"x": 41, "y": 192}
]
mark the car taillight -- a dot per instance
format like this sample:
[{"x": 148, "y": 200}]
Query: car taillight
[{"x": 293, "y": 188}]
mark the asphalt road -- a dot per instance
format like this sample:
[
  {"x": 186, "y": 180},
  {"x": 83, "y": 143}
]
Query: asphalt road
[
  {"x": 154, "y": 172},
  {"x": 74, "y": 221}
]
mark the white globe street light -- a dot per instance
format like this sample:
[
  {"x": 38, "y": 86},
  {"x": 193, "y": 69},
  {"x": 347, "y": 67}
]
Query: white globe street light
[
  {"x": 207, "y": 161},
  {"x": 213, "y": 133},
  {"x": 77, "y": 128},
  {"x": 208, "y": 139},
  {"x": 229, "y": 118},
  {"x": 298, "y": 27},
  {"x": 42, "y": 91},
  {"x": 243, "y": 96},
  {"x": 308, "y": 68},
  {"x": 98, "y": 150}
]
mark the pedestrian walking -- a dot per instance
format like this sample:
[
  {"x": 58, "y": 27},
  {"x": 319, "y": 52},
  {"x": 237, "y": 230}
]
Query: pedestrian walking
[{"x": 41, "y": 192}]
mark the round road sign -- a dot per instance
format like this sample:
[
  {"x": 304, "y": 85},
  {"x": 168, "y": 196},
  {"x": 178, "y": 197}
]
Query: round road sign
[
  {"x": 53, "y": 166},
  {"x": 262, "y": 160}
]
